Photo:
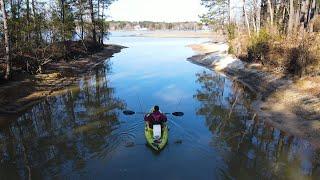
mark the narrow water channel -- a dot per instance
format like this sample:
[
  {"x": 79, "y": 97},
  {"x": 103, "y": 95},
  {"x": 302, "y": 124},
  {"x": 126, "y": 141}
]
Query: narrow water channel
[{"x": 83, "y": 134}]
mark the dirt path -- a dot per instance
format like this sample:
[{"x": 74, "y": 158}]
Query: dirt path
[
  {"x": 290, "y": 105},
  {"x": 18, "y": 96}
]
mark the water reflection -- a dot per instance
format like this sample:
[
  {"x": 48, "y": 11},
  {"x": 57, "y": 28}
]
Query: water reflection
[
  {"x": 63, "y": 132},
  {"x": 252, "y": 149},
  {"x": 83, "y": 135}
]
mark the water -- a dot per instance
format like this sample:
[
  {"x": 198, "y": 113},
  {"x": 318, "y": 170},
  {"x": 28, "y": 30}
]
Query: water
[{"x": 83, "y": 133}]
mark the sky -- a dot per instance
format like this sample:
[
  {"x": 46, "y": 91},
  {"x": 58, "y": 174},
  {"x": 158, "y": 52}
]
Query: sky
[{"x": 156, "y": 10}]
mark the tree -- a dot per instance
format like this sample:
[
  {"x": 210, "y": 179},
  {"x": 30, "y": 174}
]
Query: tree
[
  {"x": 28, "y": 19},
  {"x": 271, "y": 12},
  {"x": 291, "y": 17},
  {"x": 6, "y": 40},
  {"x": 93, "y": 22},
  {"x": 219, "y": 12},
  {"x": 79, "y": 14},
  {"x": 37, "y": 31},
  {"x": 246, "y": 16}
]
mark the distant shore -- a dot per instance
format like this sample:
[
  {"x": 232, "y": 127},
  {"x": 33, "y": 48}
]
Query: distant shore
[
  {"x": 176, "y": 34},
  {"x": 288, "y": 104}
]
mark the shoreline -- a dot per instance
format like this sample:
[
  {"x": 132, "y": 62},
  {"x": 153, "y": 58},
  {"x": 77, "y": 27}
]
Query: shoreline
[
  {"x": 20, "y": 95},
  {"x": 174, "y": 34},
  {"x": 281, "y": 101}
]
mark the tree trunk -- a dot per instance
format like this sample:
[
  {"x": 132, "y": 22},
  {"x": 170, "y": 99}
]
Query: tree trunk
[
  {"x": 229, "y": 13},
  {"x": 291, "y": 17},
  {"x": 63, "y": 29},
  {"x": 6, "y": 40},
  {"x": 28, "y": 19},
  {"x": 102, "y": 17},
  {"x": 314, "y": 9},
  {"x": 256, "y": 15},
  {"x": 306, "y": 13},
  {"x": 270, "y": 9},
  {"x": 246, "y": 16},
  {"x": 312, "y": 15},
  {"x": 94, "y": 32},
  {"x": 263, "y": 12},
  {"x": 13, "y": 26},
  {"x": 283, "y": 16},
  {"x": 36, "y": 26},
  {"x": 81, "y": 20},
  {"x": 99, "y": 33},
  {"x": 297, "y": 19},
  {"x": 98, "y": 10}
]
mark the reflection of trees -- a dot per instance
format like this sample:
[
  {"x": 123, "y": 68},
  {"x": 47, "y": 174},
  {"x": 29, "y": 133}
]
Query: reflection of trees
[
  {"x": 258, "y": 150},
  {"x": 62, "y": 132},
  {"x": 218, "y": 103}
]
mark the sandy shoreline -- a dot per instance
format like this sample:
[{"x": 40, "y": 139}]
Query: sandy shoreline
[
  {"x": 284, "y": 103},
  {"x": 18, "y": 96}
]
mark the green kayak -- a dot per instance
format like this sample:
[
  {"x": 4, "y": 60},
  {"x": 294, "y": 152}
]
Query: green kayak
[{"x": 157, "y": 145}]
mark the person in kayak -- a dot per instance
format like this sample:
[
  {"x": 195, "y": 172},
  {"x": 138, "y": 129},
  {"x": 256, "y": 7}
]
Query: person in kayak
[{"x": 155, "y": 117}]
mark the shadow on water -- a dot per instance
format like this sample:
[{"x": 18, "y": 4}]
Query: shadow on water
[
  {"x": 252, "y": 149},
  {"x": 63, "y": 132}
]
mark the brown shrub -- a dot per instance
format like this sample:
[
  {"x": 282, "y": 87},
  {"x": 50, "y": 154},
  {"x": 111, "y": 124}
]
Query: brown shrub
[
  {"x": 298, "y": 54},
  {"x": 304, "y": 58},
  {"x": 259, "y": 47},
  {"x": 316, "y": 24},
  {"x": 238, "y": 46}
]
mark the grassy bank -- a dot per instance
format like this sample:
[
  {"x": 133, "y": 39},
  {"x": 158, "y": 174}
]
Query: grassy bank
[{"x": 296, "y": 55}]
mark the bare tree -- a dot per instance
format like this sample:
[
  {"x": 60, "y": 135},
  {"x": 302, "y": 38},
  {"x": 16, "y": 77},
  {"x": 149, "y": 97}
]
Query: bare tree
[
  {"x": 291, "y": 17},
  {"x": 94, "y": 31},
  {"x": 246, "y": 16},
  {"x": 271, "y": 12},
  {"x": 6, "y": 40}
]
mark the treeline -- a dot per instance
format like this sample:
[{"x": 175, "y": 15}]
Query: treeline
[
  {"x": 35, "y": 32},
  {"x": 281, "y": 34},
  {"x": 149, "y": 25}
]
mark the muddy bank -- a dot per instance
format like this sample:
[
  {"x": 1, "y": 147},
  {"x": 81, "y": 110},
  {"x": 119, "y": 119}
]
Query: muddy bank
[
  {"x": 18, "y": 96},
  {"x": 288, "y": 104}
]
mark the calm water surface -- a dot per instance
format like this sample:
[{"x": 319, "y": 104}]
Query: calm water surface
[{"x": 82, "y": 134}]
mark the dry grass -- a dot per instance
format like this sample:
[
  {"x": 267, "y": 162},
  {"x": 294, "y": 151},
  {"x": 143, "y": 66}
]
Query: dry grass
[
  {"x": 309, "y": 85},
  {"x": 239, "y": 46},
  {"x": 298, "y": 55}
]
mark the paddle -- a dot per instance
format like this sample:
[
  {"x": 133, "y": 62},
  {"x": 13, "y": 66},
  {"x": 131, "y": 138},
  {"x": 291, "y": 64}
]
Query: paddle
[{"x": 129, "y": 112}]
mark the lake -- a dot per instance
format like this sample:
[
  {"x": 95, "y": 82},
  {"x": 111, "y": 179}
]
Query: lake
[{"x": 83, "y": 133}]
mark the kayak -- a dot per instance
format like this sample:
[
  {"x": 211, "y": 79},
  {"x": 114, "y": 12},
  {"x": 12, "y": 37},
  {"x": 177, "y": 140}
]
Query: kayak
[{"x": 157, "y": 145}]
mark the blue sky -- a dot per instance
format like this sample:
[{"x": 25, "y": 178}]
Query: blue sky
[{"x": 156, "y": 10}]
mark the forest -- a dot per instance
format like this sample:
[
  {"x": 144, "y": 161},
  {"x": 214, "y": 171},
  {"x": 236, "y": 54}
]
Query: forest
[
  {"x": 282, "y": 35},
  {"x": 36, "y": 32}
]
